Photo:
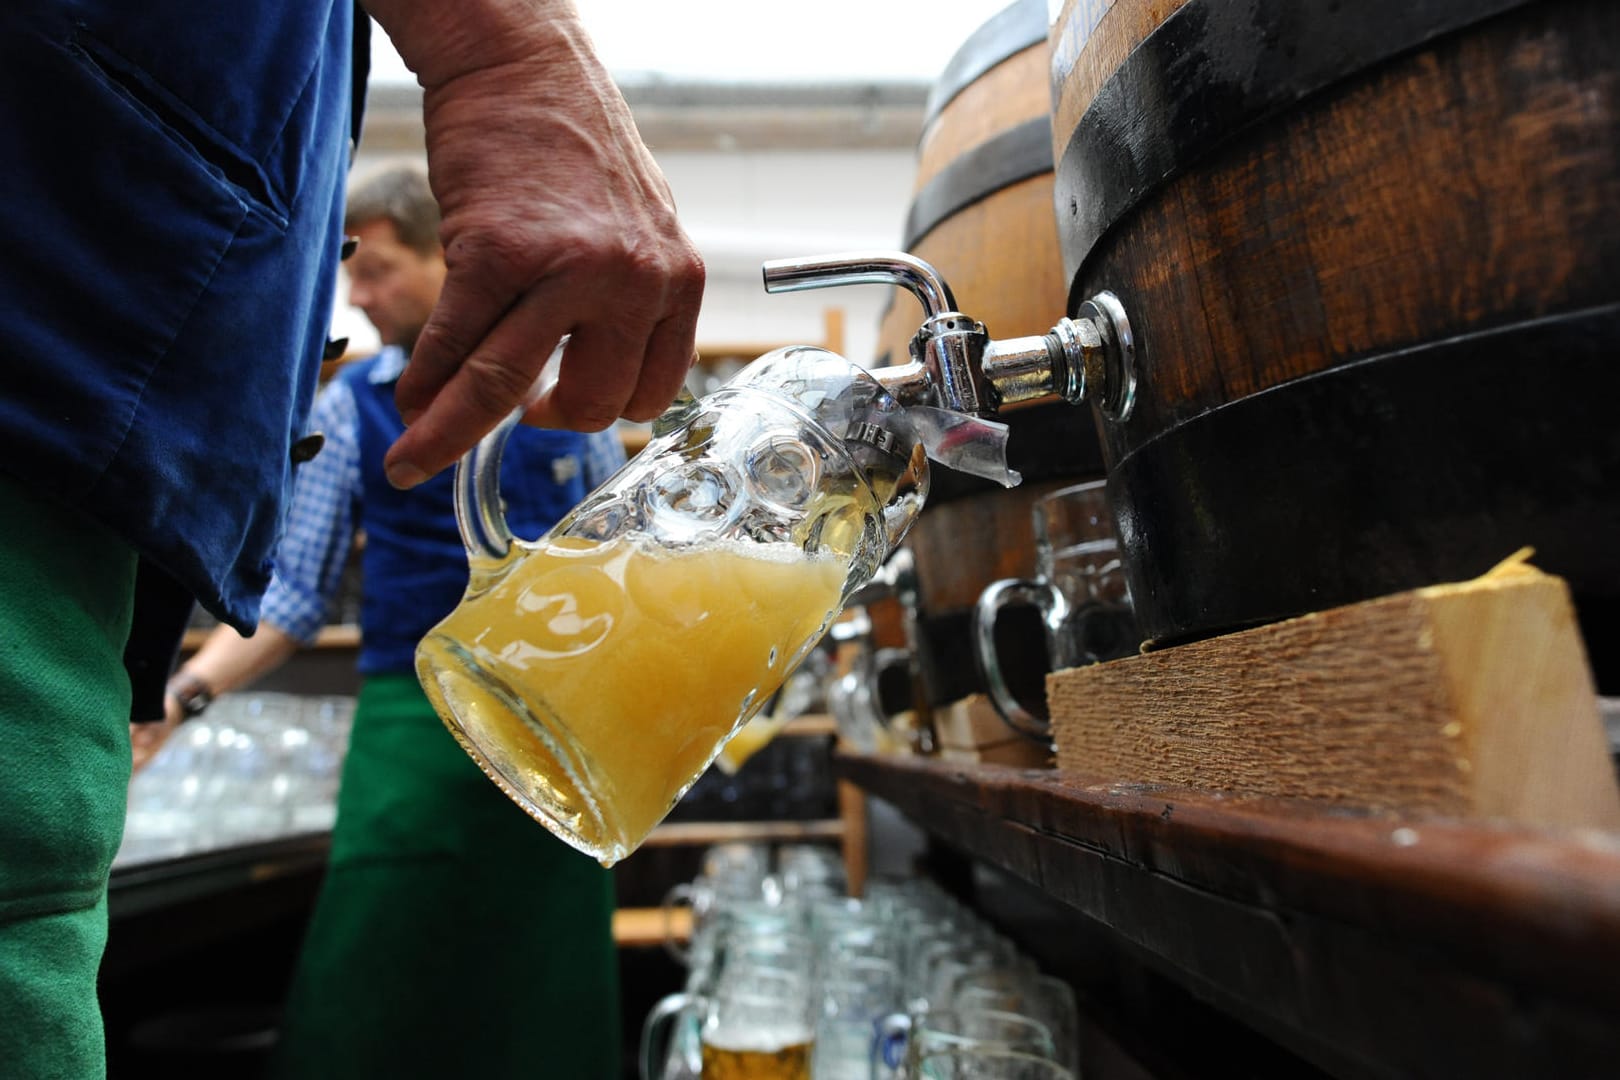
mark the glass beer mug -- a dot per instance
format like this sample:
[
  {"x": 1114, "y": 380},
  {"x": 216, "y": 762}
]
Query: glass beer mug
[
  {"x": 595, "y": 673},
  {"x": 1079, "y": 589}
]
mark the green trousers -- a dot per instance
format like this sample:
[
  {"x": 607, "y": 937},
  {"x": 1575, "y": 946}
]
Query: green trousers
[
  {"x": 454, "y": 936},
  {"x": 66, "y": 588}
]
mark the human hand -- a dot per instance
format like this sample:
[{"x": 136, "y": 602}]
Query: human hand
[
  {"x": 147, "y": 739},
  {"x": 555, "y": 221}
]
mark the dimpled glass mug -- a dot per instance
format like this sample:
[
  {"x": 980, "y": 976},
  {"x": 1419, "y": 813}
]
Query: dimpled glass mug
[
  {"x": 1079, "y": 590},
  {"x": 596, "y": 672}
]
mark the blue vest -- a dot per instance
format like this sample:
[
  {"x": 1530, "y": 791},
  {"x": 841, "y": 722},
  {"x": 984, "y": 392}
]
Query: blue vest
[
  {"x": 171, "y": 203},
  {"x": 414, "y": 568}
]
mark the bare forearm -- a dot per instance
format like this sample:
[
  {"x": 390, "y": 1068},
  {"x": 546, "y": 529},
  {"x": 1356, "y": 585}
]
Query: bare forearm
[{"x": 228, "y": 661}]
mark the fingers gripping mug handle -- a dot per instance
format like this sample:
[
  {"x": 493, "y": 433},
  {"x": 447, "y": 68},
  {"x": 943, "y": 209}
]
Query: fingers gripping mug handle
[
  {"x": 1054, "y": 609},
  {"x": 479, "y": 512}
]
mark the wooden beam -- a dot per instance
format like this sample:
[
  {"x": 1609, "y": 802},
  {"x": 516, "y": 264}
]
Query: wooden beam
[
  {"x": 682, "y": 833},
  {"x": 852, "y": 813},
  {"x": 1465, "y": 700},
  {"x": 641, "y": 928}
]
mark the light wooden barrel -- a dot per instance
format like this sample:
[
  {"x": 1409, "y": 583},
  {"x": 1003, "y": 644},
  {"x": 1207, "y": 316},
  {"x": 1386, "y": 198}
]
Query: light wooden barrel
[{"x": 981, "y": 214}]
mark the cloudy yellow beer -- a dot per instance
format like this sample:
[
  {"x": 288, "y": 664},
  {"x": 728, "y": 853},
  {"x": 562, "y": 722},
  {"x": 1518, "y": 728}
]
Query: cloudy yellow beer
[
  {"x": 750, "y": 739},
  {"x": 790, "y": 1062},
  {"x": 595, "y": 681}
]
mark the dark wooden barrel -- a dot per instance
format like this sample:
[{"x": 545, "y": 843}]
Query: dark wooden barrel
[
  {"x": 1371, "y": 255},
  {"x": 981, "y": 213}
]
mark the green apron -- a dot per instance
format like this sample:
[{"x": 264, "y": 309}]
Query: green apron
[
  {"x": 66, "y": 595},
  {"x": 454, "y": 936}
]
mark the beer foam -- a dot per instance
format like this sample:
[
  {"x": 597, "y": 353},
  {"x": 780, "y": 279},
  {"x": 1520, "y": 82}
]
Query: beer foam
[{"x": 758, "y": 1038}]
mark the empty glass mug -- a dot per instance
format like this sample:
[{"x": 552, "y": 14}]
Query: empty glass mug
[
  {"x": 595, "y": 673},
  {"x": 989, "y": 1063},
  {"x": 1079, "y": 589}
]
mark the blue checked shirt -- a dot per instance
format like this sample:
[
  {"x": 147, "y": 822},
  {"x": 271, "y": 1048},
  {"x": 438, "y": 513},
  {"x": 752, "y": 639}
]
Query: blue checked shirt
[{"x": 326, "y": 501}]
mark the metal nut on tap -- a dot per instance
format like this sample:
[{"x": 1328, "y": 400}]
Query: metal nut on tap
[{"x": 955, "y": 364}]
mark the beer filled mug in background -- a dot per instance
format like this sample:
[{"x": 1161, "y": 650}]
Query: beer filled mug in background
[{"x": 596, "y": 672}]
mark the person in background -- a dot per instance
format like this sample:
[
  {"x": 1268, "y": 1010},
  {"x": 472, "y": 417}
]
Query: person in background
[
  {"x": 172, "y": 199},
  {"x": 453, "y": 935}
]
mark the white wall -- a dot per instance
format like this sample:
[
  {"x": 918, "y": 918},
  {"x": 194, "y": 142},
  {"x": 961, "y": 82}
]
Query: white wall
[{"x": 743, "y": 207}]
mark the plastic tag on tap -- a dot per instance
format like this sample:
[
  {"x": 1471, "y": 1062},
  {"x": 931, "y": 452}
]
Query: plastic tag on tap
[{"x": 963, "y": 442}]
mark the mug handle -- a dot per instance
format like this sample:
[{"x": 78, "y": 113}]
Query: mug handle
[
  {"x": 672, "y": 899},
  {"x": 852, "y": 717},
  {"x": 872, "y": 700},
  {"x": 1054, "y": 608},
  {"x": 479, "y": 513},
  {"x": 657, "y": 1034}
]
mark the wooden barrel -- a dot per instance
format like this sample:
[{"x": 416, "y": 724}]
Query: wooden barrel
[
  {"x": 1371, "y": 258},
  {"x": 981, "y": 208},
  {"x": 981, "y": 214}
]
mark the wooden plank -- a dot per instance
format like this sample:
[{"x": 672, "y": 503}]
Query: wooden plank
[
  {"x": 810, "y": 725},
  {"x": 679, "y": 833},
  {"x": 852, "y": 814},
  {"x": 1465, "y": 700},
  {"x": 1370, "y": 946},
  {"x": 971, "y": 731},
  {"x": 641, "y": 928}
]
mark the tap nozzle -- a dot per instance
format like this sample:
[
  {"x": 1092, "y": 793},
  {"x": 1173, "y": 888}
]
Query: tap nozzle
[
  {"x": 1089, "y": 357},
  {"x": 955, "y": 364}
]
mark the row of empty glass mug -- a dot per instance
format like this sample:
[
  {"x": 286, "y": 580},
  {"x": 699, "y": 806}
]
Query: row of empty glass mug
[{"x": 790, "y": 978}]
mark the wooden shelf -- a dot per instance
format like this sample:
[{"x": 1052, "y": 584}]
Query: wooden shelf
[
  {"x": 640, "y": 928},
  {"x": 680, "y": 833},
  {"x": 810, "y": 725},
  {"x": 1370, "y": 946}
]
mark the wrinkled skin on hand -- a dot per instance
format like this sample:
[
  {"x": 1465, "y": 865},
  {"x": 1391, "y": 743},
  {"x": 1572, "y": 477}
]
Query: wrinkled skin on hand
[{"x": 556, "y": 221}]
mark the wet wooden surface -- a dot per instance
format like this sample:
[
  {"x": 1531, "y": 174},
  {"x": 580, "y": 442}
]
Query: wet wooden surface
[{"x": 1370, "y": 946}]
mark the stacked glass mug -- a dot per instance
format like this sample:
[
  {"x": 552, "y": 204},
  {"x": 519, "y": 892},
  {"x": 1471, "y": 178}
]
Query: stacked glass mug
[{"x": 789, "y": 977}]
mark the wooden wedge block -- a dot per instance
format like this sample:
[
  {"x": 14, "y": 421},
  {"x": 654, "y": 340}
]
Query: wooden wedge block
[
  {"x": 970, "y": 731},
  {"x": 1463, "y": 700}
]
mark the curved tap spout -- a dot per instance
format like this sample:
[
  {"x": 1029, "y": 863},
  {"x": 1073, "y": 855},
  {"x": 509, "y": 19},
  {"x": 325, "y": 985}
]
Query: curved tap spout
[
  {"x": 862, "y": 268},
  {"x": 945, "y": 354}
]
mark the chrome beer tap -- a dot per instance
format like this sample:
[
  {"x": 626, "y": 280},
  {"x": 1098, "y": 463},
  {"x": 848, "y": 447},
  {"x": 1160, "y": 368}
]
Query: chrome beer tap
[{"x": 955, "y": 364}]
